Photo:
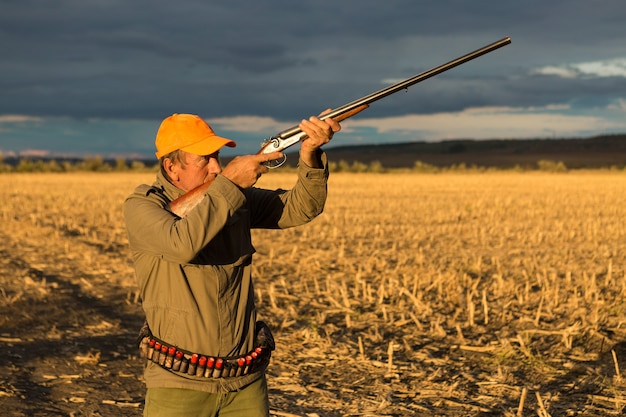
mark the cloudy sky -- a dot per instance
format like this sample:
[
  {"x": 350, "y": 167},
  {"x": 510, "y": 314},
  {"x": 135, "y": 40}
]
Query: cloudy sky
[{"x": 97, "y": 77}]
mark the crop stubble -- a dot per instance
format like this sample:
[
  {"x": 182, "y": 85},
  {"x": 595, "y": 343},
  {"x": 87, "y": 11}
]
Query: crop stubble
[{"x": 435, "y": 294}]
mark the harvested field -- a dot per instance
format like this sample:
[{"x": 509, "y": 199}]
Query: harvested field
[{"x": 472, "y": 294}]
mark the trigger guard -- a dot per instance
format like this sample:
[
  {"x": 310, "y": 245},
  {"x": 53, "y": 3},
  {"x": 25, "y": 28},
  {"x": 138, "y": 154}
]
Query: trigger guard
[{"x": 275, "y": 163}]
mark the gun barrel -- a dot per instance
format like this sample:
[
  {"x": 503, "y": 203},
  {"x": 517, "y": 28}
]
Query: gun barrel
[
  {"x": 183, "y": 204},
  {"x": 402, "y": 85}
]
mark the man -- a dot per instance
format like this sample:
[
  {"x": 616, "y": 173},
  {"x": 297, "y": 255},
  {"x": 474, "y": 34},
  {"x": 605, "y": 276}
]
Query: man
[{"x": 206, "y": 352}]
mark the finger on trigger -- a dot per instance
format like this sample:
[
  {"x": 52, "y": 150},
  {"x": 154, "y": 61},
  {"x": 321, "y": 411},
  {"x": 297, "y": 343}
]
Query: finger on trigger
[{"x": 266, "y": 157}]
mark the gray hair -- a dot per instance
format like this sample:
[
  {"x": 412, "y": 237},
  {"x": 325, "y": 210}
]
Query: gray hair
[{"x": 174, "y": 156}]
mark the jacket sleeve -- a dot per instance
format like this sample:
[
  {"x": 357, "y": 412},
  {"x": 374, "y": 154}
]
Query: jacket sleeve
[
  {"x": 289, "y": 208},
  {"x": 153, "y": 229}
]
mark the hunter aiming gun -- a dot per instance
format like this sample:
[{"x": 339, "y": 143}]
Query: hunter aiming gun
[{"x": 283, "y": 140}]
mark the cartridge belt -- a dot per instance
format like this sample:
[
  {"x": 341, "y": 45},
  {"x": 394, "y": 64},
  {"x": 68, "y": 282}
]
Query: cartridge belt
[{"x": 175, "y": 359}]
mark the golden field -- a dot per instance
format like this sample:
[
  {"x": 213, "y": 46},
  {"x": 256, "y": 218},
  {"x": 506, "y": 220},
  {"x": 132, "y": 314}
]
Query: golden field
[{"x": 495, "y": 293}]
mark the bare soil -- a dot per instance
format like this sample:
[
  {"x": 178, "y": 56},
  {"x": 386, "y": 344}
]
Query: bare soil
[{"x": 68, "y": 350}]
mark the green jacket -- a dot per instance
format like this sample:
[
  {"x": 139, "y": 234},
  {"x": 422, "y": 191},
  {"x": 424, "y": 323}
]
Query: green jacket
[{"x": 194, "y": 273}]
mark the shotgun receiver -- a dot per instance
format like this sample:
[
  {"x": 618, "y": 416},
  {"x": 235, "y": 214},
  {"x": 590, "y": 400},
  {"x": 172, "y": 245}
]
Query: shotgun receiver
[{"x": 283, "y": 140}]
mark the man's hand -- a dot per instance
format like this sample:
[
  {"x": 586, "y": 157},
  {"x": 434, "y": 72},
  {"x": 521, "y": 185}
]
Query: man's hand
[
  {"x": 319, "y": 132},
  {"x": 244, "y": 171}
]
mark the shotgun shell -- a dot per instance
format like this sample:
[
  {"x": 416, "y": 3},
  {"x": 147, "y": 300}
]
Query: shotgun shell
[
  {"x": 178, "y": 360},
  {"x": 157, "y": 352},
  {"x": 151, "y": 349},
  {"x": 201, "y": 366},
  {"x": 241, "y": 362},
  {"x": 210, "y": 363},
  {"x": 169, "y": 360},
  {"x": 246, "y": 370},
  {"x": 193, "y": 363},
  {"x": 184, "y": 365},
  {"x": 217, "y": 371},
  {"x": 144, "y": 346},
  {"x": 163, "y": 355}
]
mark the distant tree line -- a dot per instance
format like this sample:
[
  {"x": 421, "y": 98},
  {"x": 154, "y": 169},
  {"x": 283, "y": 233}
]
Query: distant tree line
[
  {"x": 87, "y": 164},
  {"x": 99, "y": 164},
  {"x": 423, "y": 167}
]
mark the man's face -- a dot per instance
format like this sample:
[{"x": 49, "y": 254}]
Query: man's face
[{"x": 195, "y": 171}]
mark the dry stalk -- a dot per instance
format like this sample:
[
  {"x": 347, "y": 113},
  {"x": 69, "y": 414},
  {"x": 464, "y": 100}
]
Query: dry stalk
[
  {"x": 542, "y": 409},
  {"x": 609, "y": 274},
  {"x": 419, "y": 325},
  {"x": 555, "y": 300},
  {"x": 381, "y": 291},
  {"x": 470, "y": 309},
  {"x": 459, "y": 334},
  {"x": 343, "y": 290},
  {"x": 418, "y": 305},
  {"x": 485, "y": 308},
  {"x": 293, "y": 253},
  {"x": 522, "y": 400},
  {"x": 618, "y": 376},
  {"x": 361, "y": 349},
  {"x": 415, "y": 284},
  {"x": 538, "y": 313},
  {"x": 272, "y": 296},
  {"x": 590, "y": 286},
  {"x": 523, "y": 347}
]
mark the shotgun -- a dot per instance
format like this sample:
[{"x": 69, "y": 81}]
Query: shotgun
[{"x": 283, "y": 140}]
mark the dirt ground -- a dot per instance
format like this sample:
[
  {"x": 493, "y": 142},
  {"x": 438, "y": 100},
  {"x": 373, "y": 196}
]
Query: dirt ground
[
  {"x": 68, "y": 350},
  {"x": 69, "y": 315}
]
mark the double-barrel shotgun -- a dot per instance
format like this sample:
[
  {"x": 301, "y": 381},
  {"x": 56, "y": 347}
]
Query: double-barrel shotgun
[{"x": 283, "y": 140}]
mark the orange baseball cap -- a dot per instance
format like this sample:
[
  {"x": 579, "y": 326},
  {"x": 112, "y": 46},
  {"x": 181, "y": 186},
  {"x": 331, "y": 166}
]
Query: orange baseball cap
[{"x": 189, "y": 133}]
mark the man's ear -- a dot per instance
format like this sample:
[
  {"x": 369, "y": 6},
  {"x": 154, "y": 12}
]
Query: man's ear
[{"x": 171, "y": 169}]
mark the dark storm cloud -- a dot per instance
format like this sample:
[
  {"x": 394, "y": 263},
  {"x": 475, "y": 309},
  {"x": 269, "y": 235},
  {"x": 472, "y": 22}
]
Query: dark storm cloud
[{"x": 287, "y": 59}]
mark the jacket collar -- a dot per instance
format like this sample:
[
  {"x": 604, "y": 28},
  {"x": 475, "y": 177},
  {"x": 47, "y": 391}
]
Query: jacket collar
[{"x": 169, "y": 189}]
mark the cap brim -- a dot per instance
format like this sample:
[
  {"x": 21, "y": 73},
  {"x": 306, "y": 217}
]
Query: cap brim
[{"x": 209, "y": 145}]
